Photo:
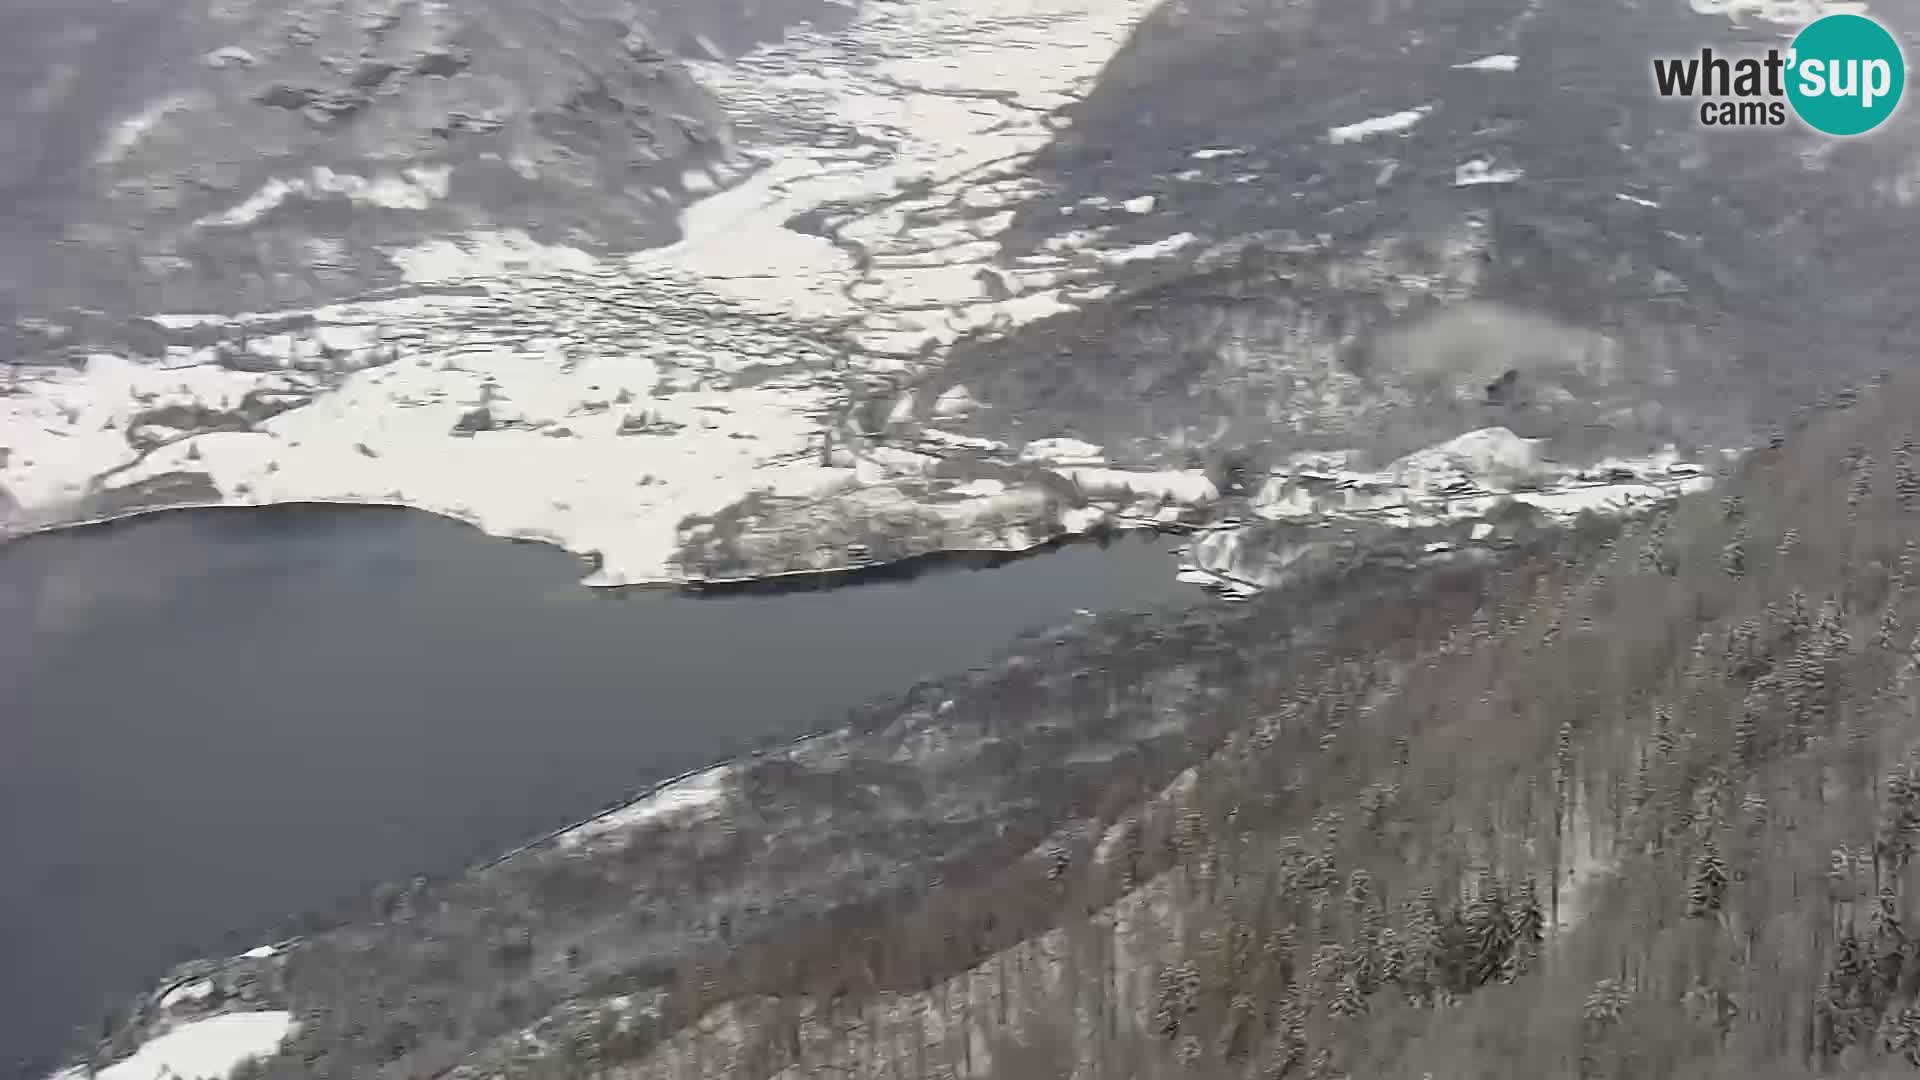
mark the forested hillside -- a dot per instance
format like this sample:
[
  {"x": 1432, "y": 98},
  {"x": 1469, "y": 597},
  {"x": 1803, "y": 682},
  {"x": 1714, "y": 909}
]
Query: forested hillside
[
  {"x": 1654, "y": 816},
  {"x": 1649, "y": 811},
  {"x": 1634, "y": 799}
]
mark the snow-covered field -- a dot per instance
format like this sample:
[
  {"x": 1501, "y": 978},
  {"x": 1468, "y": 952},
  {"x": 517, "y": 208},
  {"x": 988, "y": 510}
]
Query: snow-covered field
[
  {"x": 596, "y": 403},
  {"x": 206, "y": 1049},
  {"x": 702, "y": 792}
]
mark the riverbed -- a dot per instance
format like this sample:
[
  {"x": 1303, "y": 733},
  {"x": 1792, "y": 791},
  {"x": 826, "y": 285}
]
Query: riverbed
[{"x": 213, "y": 721}]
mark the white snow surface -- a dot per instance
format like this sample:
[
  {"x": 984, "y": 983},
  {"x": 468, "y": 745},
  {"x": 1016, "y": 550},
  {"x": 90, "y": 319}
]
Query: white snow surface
[
  {"x": 1466, "y": 477},
  {"x": 486, "y": 256},
  {"x": 1158, "y": 249},
  {"x": 1173, "y": 485},
  {"x": 954, "y": 401},
  {"x": 1497, "y": 62},
  {"x": 129, "y": 133},
  {"x": 1786, "y": 12},
  {"x": 206, "y": 1049},
  {"x": 698, "y": 793},
  {"x": 1481, "y": 171},
  {"x": 1062, "y": 450},
  {"x": 410, "y": 189},
  {"x": 610, "y": 383},
  {"x": 983, "y": 488},
  {"x": 1492, "y": 457},
  {"x": 1379, "y": 125},
  {"x": 198, "y": 990}
]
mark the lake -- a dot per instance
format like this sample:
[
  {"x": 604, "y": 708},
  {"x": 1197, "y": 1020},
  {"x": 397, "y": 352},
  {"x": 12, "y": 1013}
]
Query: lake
[{"x": 213, "y": 721}]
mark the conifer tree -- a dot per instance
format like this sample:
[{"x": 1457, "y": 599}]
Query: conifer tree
[
  {"x": 1733, "y": 557},
  {"x": 1709, "y": 885}
]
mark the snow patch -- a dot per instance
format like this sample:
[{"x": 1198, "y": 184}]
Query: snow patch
[
  {"x": 198, "y": 990},
  {"x": 982, "y": 488},
  {"x": 1379, "y": 125},
  {"x": 1159, "y": 249},
  {"x": 206, "y": 1049},
  {"x": 229, "y": 56},
  {"x": 1480, "y": 171},
  {"x": 129, "y": 133},
  {"x": 1175, "y": 485},
  {"x": 970, "y": 442},
  {"x": 698, "y": 794},
  {"x": 954, "y": 401},
  {"x": 1078, "y": 520},
  {"x": 413, "y": 189},
  {"x": 1493, "y": 457},
  {"x": 1497, "y": 62},
  {"x": 1059, "y": 450},
  {"x": 1786, "y": 12},
  {"x": 487, "y": 255},
  {"x": 952, "y": 88}
]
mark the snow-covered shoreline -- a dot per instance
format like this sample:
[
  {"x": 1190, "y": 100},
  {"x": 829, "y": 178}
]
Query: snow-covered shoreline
[
  {"x": 1461, "y": 470},
  {"x": 209, "y": 1048}
]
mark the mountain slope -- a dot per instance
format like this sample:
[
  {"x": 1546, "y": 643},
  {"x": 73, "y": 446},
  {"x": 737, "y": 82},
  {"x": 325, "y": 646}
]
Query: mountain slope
[
  {"x": 232, "y": 156},
  {"x": 1647, "y": 812},
  {"x": 931, "y": 246},
  {"x": 1646, "y": 786},
  {"x": 1538, "y": 242}
]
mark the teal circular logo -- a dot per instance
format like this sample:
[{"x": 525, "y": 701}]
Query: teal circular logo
[{"x": 1845, "y": 74}]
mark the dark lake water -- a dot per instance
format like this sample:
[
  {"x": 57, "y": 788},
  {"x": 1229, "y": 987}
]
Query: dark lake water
[{"x": 213, "y": 721}]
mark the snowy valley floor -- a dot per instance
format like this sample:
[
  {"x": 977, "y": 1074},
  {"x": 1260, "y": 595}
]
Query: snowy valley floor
[{"x": 743, "y": 404}]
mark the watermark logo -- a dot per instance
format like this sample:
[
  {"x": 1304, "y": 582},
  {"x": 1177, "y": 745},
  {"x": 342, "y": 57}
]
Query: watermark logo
[
  {"x": 1843, "y": 75},
  {"x": 1849, "y": 74}
]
